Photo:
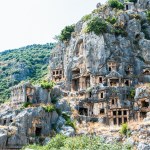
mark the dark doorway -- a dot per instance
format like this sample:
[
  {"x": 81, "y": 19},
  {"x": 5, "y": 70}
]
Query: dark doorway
[
  {"x": 119, "y": 121},
  {"x": 114, "y": 113},
  {"x": 125, "y": 119},
  {"x": 83, "y": 111},
  {"x": 119, "y": 112},
  {"x": 145, "y": 104},
  {"x": 143, "y": 114},
  {"x": 124, "y": 112},
  {"x": 38, "y": 131},
  {"x": 102, "y": 111},
  {"x": 127, "y": 7},
  {"x": 4, "y": 122},
  {"x": 115, "y": 121},
  {"x": 100, "y": 80},
  {"x": 28, "y": 100},
  {"x": 127, "y": 82}
]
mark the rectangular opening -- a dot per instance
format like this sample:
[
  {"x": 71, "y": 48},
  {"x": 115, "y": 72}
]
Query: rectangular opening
[
  {"x": 114, "y": 82},
  {"x": 125, "y": 119},
  {"x": 115, "y": 121},
  {"x": 53, "y": 72},
  {"x": 83, "y": 111},
  {"x": 145, "y": 104},
  {"x": 4, "y": 122},
  {"x": 124, "y": 112},
  {"x": 119, "y": 121},
  {"x": 126, "y": 82},
  {"x": 143, "y": 114},
  {"x": 114, "y": 113},
  {"x": 119, "y": 112},
  {"x": 88, "y": 82},
  {"x": 100, "y": 79},
  {"x": 102, "y": 95},
  {"x": 127, "y": 7},
  {"x": 38, "y": 131},
  {"x": 113, "y": 101},
  {"x": 60, "y": 71},
  {"x": 56, "y": 72},
  {"x": 102, "y": 111},
  {"x": 75, "y": 84}
]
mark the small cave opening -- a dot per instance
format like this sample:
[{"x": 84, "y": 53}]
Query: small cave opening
[
  {"x": 83, "y": 111},
  {"x": 38, "y": 131}
]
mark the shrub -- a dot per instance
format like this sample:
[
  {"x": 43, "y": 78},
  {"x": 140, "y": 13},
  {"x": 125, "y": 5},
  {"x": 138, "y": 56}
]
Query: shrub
[
  {"x": 115, "y": 4},
  {"x": 86, "y": 17},
  {"x": 70, "y": 123},
  {"x": 148, "y": 15},
  {"x": 124, "y": 129},
  {"x": 136, "y": 16},
  {"x": 111, "y": 20},
  {"x": 56, "y": 143},
  {"x": 49, "y": 108},
  {"x": 47, "y": 85},
  {"x": 79, "y": 143},
  {"x": 26, "y": 104},
  {"x": 134, "y": 1},
  {"x": 132, "y": 93},
  {"x": 54, "y": 100},
  {"x": 96, "y": 25},
  {"x": 66, "y": 33}
]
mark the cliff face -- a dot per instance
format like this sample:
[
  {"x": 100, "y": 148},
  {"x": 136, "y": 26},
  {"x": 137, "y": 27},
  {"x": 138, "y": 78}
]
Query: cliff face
[{"x": 102, "y": 71}]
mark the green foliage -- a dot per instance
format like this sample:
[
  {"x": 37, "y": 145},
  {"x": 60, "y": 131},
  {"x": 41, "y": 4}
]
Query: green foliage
[
  {"x": 148, "y": 15},
  {"x": 59, "y": 112},
  {"x": 111, "y": 20},
  {"x": 26, "y": 104},
  {"x": 115, "y": 4},
  {"x": 134, "y": 1},
  {"x": 69, "y": 122},
  {"x": 124, "y": 129},
  {"x": 96, "y": 25},
  {"x": 86, "y": 17},
  {"x": 61, "y": 142},
  {"x": 132, "y": 93},
  {"x": 49, "y": 108},
  {"x": 56, "y": 143},
  {"x": 54, "y": 100},
  {"x": 66, "y": 33},
  {"x": 27, "y": 63},
  {"x": 136, "y": 16},
  {"x": 47, "y": 85}
]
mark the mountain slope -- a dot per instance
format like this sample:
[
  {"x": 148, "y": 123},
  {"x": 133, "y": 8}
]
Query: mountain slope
[{"x": 26, "y": 63}]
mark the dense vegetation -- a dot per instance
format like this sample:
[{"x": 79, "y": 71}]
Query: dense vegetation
[
  {"x": 115, "y": 4},
  {"x": 26, "y": 63},
  {"x": 61, "y": 142},
  {"x": 96, "y": 25},
  {"x": 66, "y": 33}
]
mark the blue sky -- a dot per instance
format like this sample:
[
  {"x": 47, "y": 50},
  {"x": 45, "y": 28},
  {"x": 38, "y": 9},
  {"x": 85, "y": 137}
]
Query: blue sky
[{"x": 25, "y": 22}]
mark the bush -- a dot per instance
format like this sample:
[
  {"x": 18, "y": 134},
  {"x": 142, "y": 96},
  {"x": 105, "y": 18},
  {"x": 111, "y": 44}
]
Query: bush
[
  {"x": 115, "y": 4},
  {"x": 111, "y": 20},
  {"x": 47, "y": 85},
  {"x": 136, "y": 16},
  {"x": 96, "y": 25},
  {"x": 56, "y": 143},
  {"x": 86, "y": 17},
  {"x": 132, "y": 93},
  {"x": 49, "y": 108},
  {"x": 66, "y": 33},
  {"x": 26, "y": 104},
  {"x": 61, "y": 142},
  {"x": 124, "y": 129},
  {"x": 148, "y": 15}
]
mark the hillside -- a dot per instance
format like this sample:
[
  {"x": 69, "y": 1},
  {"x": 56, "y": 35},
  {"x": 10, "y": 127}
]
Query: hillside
[{"x": 26, "y": 63}]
